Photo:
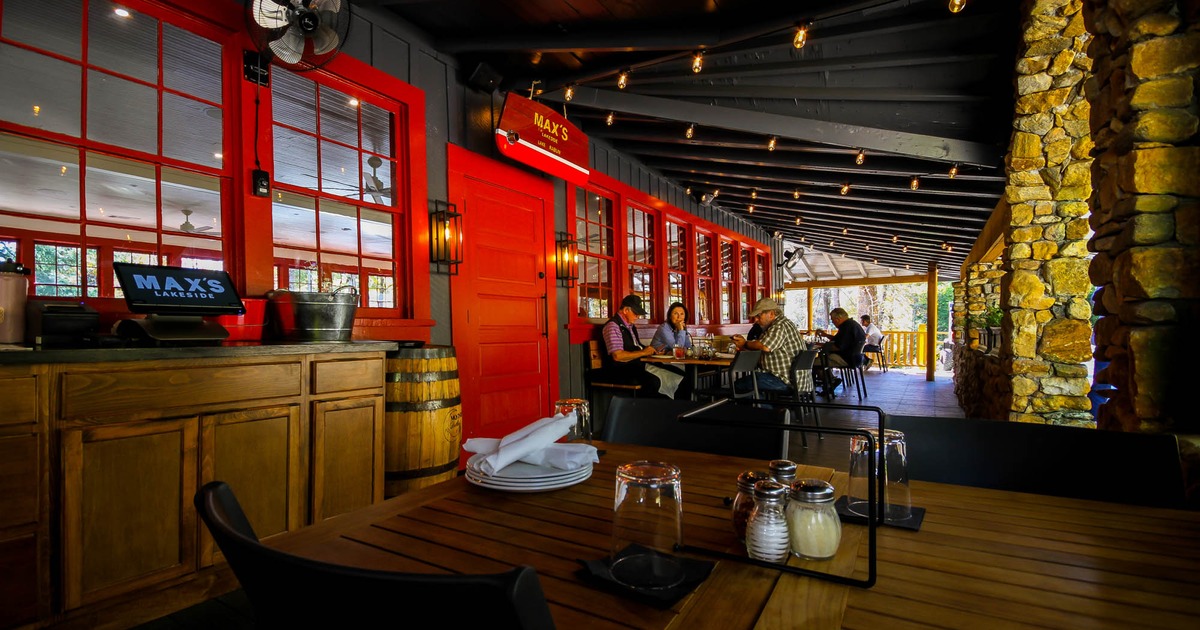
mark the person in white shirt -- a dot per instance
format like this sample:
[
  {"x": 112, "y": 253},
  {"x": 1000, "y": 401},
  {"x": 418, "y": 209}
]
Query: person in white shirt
[{"x": 874, "y": 336}]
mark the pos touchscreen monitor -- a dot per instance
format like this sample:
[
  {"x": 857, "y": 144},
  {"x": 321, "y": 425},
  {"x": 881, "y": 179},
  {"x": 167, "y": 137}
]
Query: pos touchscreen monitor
[{"x": 174, "y": 300}]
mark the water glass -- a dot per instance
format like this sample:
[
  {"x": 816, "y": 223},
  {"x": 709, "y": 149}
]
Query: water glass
[
  {"x": 647, "y": 526},
  {"x": 581, "y": 431},
  {"x": 892, "y": 455},
  {"x": 680, "y": 352}
]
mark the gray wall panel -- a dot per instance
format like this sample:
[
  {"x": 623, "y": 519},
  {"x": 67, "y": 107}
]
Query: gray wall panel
[{"x": 390, "y": 54}]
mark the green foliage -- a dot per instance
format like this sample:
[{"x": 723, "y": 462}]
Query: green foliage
[{"x": 993, "y": 316}]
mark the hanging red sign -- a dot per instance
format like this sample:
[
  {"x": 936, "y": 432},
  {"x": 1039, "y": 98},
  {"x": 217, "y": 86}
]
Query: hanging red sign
[{"x": 536, "y": 135}]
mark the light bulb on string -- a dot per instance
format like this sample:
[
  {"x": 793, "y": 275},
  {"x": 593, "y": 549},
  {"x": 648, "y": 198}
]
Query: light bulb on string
[
  {"x": 796, "y": 194},
  {"x": 716, "y": 191},
  {"x": 750, "y": 208},
  {"x": 698, "y": 61},
  {"x": 953, "y": 171},
  {"x": 569, "y": 93},
  {"x": 861, "y": 157},
  {"x": 956, "y": 5},
  {"x": 831, "y": 243},
  {"x": 801, "y": 239},
  {"x": 608, "y": 120},
  {"x": 914, "y": 183},
  {"x": 771, "y": 143},
  {"x": 687, "y": 191},
  {"x": 895, "y": 238},
  {"x": 904, "y": 249},
  {"x": 691, "y": 131},
  {"x": 622, "y": 79},
  {"x": 845, "y": 188},
  {"x": 845, "y": 230},
  {"x": 754, "y": 193},
  {"x": 801, "y": 37},
  {"x": 797, "y": 220}
]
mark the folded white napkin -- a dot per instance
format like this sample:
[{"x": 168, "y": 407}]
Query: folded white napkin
[{"x": 534, "y": 444}]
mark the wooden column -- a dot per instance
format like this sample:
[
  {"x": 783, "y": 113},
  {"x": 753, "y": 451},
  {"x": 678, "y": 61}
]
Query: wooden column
[
  {"x": 931, "y": 318},
  {"x": 809, "y": 302}
]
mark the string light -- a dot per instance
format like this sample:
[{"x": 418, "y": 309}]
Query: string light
[
  {"x": 37, "y": 110},
  {"x": 754, "y": 193},
  {"x": 957, "y": 5},
  {"x": 750, "y": 208},
  {"x": 914, "y": 183},
  {"x": 831, "y": 243},
  {"x": 777, "y": 233},
  {"x": 904, "y": 249},
  {"x": 895, "y": 238},
  {"x": 771, "y": 143},
  {"x": 953, "y": 171},
  {"x": 845, "y": 230},
  {"x": 845, "y": 188},
  {"x": 868, "y": 247},
  {"x": 687, "y": 191},
  {"x": 569, "y": 93},
  {"x": 801, "y": 239},
  {"x": 797, "y": 220},
  {"x": 691, "y": 131},
  {"x": 906, "y": 266},
  {"x": 716, "y": 191},
  {"x": 861, "y": 157},
  {"x": 608, "y": 120},
  {"x": 698, "y": 61},
  {"x": 801, "y": 37},
  {"x": 622, "y": 79},
  {"x": 796, "y": 194}
]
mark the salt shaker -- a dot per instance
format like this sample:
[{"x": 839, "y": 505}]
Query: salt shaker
[
  {"x": 767, "y": 530},
  {"x": 743, "y": 502},
  {"x": 813, "y": 524}
]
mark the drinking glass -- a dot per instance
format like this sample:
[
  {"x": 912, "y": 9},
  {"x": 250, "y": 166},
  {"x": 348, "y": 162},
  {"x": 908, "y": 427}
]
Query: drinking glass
[
  {"x": 647, "y": 526},
  {"x": 581, "y": 431},
  {"x": 680, "y": 352},
  {"x": 893, "y": 457}
]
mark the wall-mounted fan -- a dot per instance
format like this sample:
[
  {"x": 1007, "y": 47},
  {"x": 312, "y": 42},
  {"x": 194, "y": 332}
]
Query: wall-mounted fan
[
  {"x": 187, "y": 226},
  {"x": 299, "y": 34},
  {"x": 791, "y": 258}
]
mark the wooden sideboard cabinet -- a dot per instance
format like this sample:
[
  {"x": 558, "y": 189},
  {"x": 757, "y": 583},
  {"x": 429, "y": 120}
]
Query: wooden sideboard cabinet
[{"x": 100, "y": 461}]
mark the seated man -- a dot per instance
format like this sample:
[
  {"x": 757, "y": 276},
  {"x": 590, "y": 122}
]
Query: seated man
[
  {"x": 779, "y": 343},
  {"x": 874, "y": 337},
  {"x": 844, "y": 348},
  {"x": 624, "y": 351}
]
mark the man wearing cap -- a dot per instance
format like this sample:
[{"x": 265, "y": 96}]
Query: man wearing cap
[
  {"x": 779, "y": 343},
  {"x": 625, "y": 351}
]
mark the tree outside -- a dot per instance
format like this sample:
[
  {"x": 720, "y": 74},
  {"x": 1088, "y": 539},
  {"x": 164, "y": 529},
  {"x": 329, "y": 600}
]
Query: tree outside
[{"x": 891, "y": 306}]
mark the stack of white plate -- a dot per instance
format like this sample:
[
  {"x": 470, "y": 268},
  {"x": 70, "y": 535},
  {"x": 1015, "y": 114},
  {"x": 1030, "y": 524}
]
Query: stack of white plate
[{"x": 522, "y": 477}]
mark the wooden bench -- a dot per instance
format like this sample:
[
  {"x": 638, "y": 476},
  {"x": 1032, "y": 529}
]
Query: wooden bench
[{"x": 593, "y": 360}]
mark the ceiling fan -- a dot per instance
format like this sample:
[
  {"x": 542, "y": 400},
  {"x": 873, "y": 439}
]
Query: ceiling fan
[
  {"x": 373, "y": 186},
  {"x": 187, "y": 226}
]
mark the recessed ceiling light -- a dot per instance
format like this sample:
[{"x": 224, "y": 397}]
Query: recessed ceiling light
[{"x": 121, "y": 11}]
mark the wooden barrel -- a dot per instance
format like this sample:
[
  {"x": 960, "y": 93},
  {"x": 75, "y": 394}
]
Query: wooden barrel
[{"x": 423, "y": 423}]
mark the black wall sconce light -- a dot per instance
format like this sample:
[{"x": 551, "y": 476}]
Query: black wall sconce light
[
  {"x": 445, "y": 237},
  {"x": 566, "y": 262}
]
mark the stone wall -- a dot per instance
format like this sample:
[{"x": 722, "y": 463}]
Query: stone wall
[
  {"x": 1044, "y": 293},
  {"x": 1146, "y": 210}
]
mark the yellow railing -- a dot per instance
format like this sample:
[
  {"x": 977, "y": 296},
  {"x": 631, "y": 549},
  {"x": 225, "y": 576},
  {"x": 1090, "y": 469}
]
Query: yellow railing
[{"x": 906, "y": 348}]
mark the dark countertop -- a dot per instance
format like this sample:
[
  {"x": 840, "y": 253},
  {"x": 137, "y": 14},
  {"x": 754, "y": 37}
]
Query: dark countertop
[{"x": 120, "y": 352}]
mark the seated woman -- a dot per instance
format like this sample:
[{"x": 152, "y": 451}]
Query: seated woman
[{"x": 673, "y": 331}]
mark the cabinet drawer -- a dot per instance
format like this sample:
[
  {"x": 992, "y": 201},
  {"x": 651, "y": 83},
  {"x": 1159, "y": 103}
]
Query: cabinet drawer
[
  {"x": 340, "y": 376},
  {"x": 87, "y": 394},
  {"x": 20, "y": 400}
]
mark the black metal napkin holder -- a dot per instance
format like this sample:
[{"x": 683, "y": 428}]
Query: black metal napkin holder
[{"x": 874, "y": 490}]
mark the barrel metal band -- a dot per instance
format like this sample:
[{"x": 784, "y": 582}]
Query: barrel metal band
[
  {"x": 400, "y": 475},
  {"x": 421, "y": 377},
  {"x": 428, "y": 405}
]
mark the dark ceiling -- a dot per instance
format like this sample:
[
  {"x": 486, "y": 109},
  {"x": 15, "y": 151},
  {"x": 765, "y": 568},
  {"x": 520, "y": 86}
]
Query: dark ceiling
[{"x": 917, "y": 89}]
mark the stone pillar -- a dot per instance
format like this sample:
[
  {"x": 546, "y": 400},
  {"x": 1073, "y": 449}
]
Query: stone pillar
[
  {"x": 1146, "y": 211},
  {"x": 1044, "y": 294}
]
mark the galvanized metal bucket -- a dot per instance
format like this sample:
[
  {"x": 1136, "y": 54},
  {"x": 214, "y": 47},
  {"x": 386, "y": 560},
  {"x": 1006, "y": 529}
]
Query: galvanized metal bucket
[{"x": 301, "y": 316}]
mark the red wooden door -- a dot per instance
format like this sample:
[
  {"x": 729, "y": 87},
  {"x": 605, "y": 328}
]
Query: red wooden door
[{"x": 503, "y": 298}]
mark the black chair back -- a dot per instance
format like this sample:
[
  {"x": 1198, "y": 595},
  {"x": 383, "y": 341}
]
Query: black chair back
[
  {"x": 288, "y": 591},
  {"x": 652, "y": 422},
  {"x": 1133, "y": 468}
]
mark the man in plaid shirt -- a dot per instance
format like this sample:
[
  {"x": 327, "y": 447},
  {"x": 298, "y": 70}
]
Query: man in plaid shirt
[{"x": 779, "y": 343}]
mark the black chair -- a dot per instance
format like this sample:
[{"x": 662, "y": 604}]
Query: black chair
[
  {"x": 288, "y": 591},
  {"x": 1133, "y": 468},
  {"x": 880, "y": 352},
  {"x": 745, "y": 362},
  {"x": 802, "y": 388},
  {"x": 652, "y": 422}
]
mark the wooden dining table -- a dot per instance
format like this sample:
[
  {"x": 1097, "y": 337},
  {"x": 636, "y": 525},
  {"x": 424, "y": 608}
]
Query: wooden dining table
[
  {"x": 981, "y": 559},
  {"x": 692, "y": 365}
]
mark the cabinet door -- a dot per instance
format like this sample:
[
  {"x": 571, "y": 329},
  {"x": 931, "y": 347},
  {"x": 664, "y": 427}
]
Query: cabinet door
[
  {"x": 128, "y": 519},
  {"x": 347, "y": 457},
  {"x": 20, "y": 578},
  {"x": 256, "y": 452}
]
